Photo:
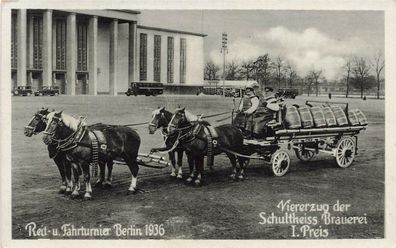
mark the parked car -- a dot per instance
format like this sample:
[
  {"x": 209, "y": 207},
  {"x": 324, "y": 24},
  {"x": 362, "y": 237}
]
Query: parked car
[
  {"x": 288, "y": 93},
  {"x": 22, "y": 91},
  {"x": 47, "y": 91},
  {"x": 143, "y": 88}
]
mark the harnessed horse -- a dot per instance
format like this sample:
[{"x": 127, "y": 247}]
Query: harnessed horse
[
  {"x": 38, "y": 124},
  {"x": 74, "y": 139},
  {"x": 193, "y": 137},
  {"x": 160, "y": 119}
]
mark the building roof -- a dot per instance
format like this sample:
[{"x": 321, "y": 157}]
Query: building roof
[
  {"x": 128, "y": 11},
  {"x": 171, "y": 30}
]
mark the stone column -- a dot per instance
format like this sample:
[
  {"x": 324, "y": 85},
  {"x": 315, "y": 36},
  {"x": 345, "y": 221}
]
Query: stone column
[
  {"x": 47, "y": 48},
  {"x": 113, "y": 57},
  {"x": 132, "y": 75},
  {"x": 92, "y": 53},
  {"x": 21, "y": 43},
  {"x": 71, "y": 60}
]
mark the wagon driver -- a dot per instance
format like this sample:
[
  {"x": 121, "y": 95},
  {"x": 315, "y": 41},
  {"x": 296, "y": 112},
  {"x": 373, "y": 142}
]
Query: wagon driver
[{"x": 247, "y": 107}]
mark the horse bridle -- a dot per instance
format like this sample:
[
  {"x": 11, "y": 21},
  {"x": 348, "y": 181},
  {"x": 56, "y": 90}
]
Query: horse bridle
[{"x": 40, "y": 117}]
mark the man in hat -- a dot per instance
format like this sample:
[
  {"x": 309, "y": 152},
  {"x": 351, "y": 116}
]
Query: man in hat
[
  {"x": 265, "y": 113},
  {"x": 246, "y": 109}
]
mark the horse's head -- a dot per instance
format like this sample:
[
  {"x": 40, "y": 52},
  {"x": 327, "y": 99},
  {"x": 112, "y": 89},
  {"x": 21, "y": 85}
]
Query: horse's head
[
  {"x": 158, "y": 119},
  {"x": 37, "y": 124},
  {"x": 179, "y": 120},
  {"x": 54, "y": 121}
]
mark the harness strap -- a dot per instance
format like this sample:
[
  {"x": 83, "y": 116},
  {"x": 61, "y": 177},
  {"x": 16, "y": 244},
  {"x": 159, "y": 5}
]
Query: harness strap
[
  {"x": 209, "y": 148},
  {"x": 95, "y": 153}
]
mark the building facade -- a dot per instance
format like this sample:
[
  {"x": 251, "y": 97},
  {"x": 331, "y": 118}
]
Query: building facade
[{"x": 99, "y": 51}]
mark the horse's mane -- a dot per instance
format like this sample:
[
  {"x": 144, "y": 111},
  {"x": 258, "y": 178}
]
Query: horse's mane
[
  {"x": 190, "y": 117},
  {"x": 68, "y": 121}
]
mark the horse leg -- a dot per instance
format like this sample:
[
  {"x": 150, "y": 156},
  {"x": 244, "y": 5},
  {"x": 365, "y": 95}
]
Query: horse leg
[
  {"x": 179, "y": 164},
  {"x": 101, "y": 178},
  {"x": 67, "y": 167},
  {"x": 199, "y": 163},
  {"x": 134, "y": 168},
  {"x": 234, "y": 165},
  {"x": 76, "y": 184},
  {"x": 173, "y": 162},
  {"x": 243, "y": 162},
  {"x": 61, "y": 168},
  {"x": 109, "y": 178},
  {"x": 87, "y": 178},
  {"x": 191, "y": 165}
]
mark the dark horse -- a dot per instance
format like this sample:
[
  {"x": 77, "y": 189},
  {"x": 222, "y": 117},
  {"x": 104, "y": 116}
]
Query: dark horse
[
  {"x": 193, "y": 138},
  {"x": 38, "y": 124},
  {"x": 160, "y": 119},
  {"x": 73, "y": 137}
]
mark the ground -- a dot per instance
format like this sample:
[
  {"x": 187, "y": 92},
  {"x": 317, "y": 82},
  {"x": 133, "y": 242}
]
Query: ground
[{"x": 221, "y": 208}]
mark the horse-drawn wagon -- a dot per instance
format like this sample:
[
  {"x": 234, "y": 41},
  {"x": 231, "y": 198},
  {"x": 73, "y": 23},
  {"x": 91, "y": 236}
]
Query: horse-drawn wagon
[{"x": 337, "y": 141}]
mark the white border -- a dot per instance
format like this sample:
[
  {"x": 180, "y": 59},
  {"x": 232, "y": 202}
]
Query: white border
[{"x": 388, "y": 6}]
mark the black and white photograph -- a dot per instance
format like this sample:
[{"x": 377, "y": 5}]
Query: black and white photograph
[{"x": 184, "y": 122}]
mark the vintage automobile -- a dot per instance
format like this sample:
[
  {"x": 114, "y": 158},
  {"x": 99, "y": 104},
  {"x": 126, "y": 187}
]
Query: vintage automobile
[
  {"x": 22, "y": 91},
  {"x": 288, "y": 93},
  {"x": 143, "y": 88},
  {"x": 47, "y": 91}
]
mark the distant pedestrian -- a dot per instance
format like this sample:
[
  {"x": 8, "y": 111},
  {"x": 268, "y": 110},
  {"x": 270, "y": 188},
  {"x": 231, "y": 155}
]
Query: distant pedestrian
[{"x": 329, "y": 95}]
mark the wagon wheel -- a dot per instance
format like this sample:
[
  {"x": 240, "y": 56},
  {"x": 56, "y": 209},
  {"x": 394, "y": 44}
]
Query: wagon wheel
[
  {"x": 345, "y": 152},
  {"x": 280, "y": 163},
  {"x": 303, "y": 154}
]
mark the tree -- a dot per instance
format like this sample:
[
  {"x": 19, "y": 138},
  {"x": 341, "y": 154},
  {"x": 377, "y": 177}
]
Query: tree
[
  {"x": 262, "y": 70},
  {"x": 378, "y": 65},
  {"x": 348, "y": 70},
  {"x": 309, "y": 81},
  {"x": 291, "y": 76},
  {"x": 361, "y": 72},
  {"x": 233, "y": 71},
  {"x": 278, "y": 66},
  {"x": 247, "y": 70},
  {"x": 211, "y": 71},
  {"x": 314, "y": 76}
]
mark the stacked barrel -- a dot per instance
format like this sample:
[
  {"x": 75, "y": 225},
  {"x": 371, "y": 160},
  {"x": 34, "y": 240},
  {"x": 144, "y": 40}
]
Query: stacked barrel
[{"x": 330, "y": 115}]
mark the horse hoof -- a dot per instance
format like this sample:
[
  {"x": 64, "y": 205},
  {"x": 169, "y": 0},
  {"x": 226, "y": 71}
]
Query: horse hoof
[
  {"x": 233, "y": 177},
  {"x": 173, "y": 174},
  {"x": 107, "y": 185},
  {"x": 68, "y": 192},
  {"x": 197, "y": 183},
  {"x": 179, "y": 176},
  {"x": 62, "y": 191},
  {"x": 241, "y": 177},
  {"x": 87, "y": 197},
  {"x": 74, "y": 196},
  {"x": 98, "y": 185},
  {"x": 131, "y": 192},
  {"x": 189, "y": 180}
]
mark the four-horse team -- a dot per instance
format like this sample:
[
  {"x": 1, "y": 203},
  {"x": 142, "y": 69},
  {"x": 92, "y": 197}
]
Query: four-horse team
[{"x": 262, "y": 125}]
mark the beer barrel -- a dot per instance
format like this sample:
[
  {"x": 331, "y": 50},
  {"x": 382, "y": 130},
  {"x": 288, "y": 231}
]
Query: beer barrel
[
  {"x": 339, "y": 115},
  {"x": 353, "y": 119},
  {"x": 292, "y": 117},
  {"x": 329, "y": 117},
  {"x": 318, "y": 116},
  {"x": 306, "y": 117},
  {"x": 361, "y": 117}
]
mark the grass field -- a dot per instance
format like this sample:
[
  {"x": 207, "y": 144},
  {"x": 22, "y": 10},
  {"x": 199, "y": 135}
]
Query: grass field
[{"x": 221, "y": 208}]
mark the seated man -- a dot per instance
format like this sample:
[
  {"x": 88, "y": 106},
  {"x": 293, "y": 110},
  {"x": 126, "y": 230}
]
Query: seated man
[
  {"x": 265, "y": 113},
  {"x": 247, "y": 107}
]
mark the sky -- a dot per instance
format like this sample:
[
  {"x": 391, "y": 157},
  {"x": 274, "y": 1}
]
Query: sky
[{"x": 320, "y": 40}]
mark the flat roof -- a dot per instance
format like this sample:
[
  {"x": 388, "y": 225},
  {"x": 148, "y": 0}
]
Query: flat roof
[
  {"x": 171, "y": 30},
  {"x": 128, "y": 11}
]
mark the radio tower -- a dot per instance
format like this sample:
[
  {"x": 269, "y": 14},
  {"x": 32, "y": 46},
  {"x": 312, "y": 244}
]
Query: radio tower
[{"x": 224, "y": 50}]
